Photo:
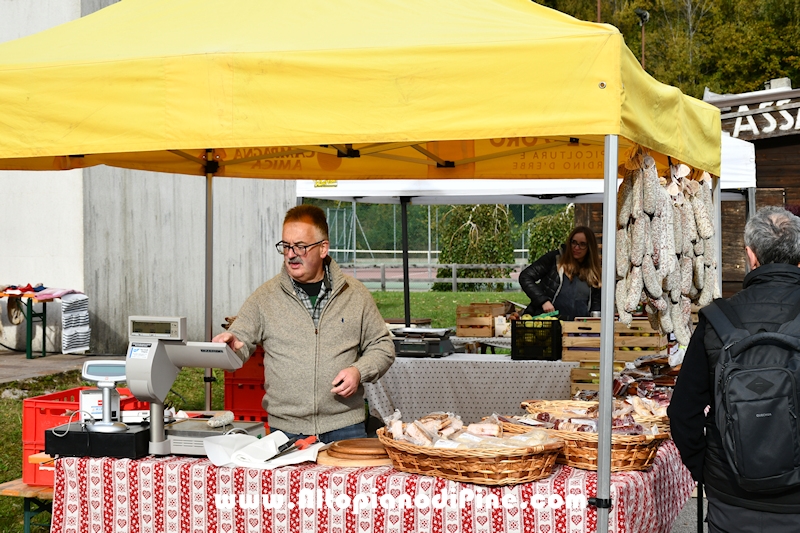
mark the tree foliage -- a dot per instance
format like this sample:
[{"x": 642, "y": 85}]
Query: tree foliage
[
  {"x": 475, "y": 234},
  {"x": 549, "y": 232},
  {"x": 380, "y": 225},
  {"x": 729, "y": 46}
]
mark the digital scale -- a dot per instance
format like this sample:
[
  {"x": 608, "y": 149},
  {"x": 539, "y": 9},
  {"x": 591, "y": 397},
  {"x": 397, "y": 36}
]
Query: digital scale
[
  {"x": 422, "y": 342},
  {"x": 107, "y": 374},
  {"x": 157, "y": 350}
]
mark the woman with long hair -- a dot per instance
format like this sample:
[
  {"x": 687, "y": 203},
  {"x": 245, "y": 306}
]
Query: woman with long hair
[{"x": 566, "y": 279}]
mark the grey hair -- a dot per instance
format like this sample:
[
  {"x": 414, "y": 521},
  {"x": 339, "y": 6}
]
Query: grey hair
[{"x": 774, "y": 236}]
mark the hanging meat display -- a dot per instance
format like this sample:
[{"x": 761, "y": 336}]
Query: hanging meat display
[{"x": 665, "y": 258}]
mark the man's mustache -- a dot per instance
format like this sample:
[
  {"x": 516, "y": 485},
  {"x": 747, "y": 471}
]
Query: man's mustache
[{"x": 295, "y": 261}]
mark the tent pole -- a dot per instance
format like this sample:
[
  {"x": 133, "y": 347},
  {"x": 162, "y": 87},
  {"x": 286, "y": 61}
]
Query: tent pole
[
  {"x": 750, "y": 210},
  {"x": 209, "y": 267},
  {"x": 406, "y": 282},
  {"x": 603, "y": 499},
  {"x": 751, "y": 202},
  {"x": 429, "y": 241},
  {"x": 354, "y": 238},
  {"x": 716, "y": 197}
]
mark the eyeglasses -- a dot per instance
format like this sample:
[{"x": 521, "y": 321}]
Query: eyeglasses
[
  {"x": 581, "y": 245},
  {"x": 298, "y": 249}
]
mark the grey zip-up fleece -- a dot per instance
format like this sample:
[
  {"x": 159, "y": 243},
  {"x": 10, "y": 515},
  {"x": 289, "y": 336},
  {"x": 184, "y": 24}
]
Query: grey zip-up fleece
[{"x": 300, "y": 361}]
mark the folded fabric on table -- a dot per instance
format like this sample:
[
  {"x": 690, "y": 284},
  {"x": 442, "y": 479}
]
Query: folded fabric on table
[
  {"x": 251, "y": 452},
  {"x": 22, "y": 289}
]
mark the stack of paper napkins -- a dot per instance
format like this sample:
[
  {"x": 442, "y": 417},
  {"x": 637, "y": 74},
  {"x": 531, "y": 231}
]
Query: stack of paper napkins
[
  {"x": 252, "y": 452},
  {"x": 75, "y": 330}
]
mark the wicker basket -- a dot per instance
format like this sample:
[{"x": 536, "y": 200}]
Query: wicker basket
[
  {"x": 504, "y": 466},
  {"x": 537, "y": 406},
  {"x": 628, "y": 452},
  {"x": 649, "y": 421}
]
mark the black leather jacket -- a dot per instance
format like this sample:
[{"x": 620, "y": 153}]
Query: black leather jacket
[
  {"x": 770, "y": 292},
  {"x": 542, "y": 280}
]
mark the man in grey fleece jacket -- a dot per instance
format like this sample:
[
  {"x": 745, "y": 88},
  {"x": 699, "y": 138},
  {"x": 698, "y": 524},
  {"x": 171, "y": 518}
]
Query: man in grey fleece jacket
[{"x": 322, "y": 336}]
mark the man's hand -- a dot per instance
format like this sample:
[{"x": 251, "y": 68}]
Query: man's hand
[
  {"x": 229, "y": 339},
  {"x": 547, "y": 307},
  {"x": 346, "y": 382}
]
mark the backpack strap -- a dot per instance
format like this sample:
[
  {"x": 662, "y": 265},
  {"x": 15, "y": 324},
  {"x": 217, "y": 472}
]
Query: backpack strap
[
  {"x": 727, "y": 308},
  {"x": 724, "y": 320}
]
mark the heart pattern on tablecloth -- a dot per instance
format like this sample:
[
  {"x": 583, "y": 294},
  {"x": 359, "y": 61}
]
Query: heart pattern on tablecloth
[{"x": 87, "y": 488}]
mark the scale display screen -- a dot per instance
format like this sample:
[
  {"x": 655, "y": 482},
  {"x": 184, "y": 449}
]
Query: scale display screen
[
  {"x": 170, "y": 328},
  {"x": 104, "y": 371},
  {"x": 158, "y": 328}
]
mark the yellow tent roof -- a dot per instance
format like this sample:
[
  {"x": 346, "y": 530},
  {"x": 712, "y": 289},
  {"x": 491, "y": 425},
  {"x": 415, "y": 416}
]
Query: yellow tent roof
[{"x": 336, "y": 90}]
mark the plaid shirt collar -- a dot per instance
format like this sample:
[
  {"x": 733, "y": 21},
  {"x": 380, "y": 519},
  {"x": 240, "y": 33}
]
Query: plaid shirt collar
[{"x": 324, "y": 295}]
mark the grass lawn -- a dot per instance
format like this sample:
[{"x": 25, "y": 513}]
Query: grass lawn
[
  {"x": 188, "y": 394},
  {"x": 440, "y": 307},
  {"x": 188, "y": 389}
]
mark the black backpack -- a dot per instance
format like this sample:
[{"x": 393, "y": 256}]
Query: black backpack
[{"x": 756, "y": 399}]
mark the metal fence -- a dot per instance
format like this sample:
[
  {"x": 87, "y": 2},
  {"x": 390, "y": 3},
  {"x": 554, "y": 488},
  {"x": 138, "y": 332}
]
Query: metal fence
[{"x": 432, "y": 270}]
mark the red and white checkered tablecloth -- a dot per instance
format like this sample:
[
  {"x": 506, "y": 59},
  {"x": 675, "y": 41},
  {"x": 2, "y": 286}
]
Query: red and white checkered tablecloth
[{"x": 181, "y": 494}]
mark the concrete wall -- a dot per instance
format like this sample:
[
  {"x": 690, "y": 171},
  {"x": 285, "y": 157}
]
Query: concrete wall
[
  {"x": 145, "y": 247},
  {"x": 133, "y": 241},
  {"x": 42, "y": 215},
  {"x": 26, "y": 17}
]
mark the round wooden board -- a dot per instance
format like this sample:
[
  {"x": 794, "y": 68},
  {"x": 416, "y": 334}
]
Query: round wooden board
[
  {"x": 324, "y": 459},
  {"x": 339, "y": 455},
  {"x": 356, "y": 447}
]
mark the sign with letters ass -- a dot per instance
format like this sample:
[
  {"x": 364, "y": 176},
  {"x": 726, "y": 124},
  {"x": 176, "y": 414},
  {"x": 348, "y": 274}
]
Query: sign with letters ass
[{"x": 764, "y": 120}]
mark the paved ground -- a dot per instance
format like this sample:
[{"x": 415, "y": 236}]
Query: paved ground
[
  {"x": 687, "y": 519},
  {"x": 14, "y": 366}
]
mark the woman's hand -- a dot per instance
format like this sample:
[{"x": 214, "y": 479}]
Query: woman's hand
[{"x": 547, "y": 307}]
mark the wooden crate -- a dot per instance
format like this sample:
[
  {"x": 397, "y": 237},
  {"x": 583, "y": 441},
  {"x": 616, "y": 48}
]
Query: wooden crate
[
  {"x": 584, "y": 375},
  {"x": 583, "y": 379},
  {"x": 695, "y": 317},
  {"x": 472, "y": 321},
  {"x": 581, "y": 340},
  {"x": 639, "y": 339},
  {"x": 587, "y": 376},
  {"x": 618, "y": 366},
  {"x": 494, "y": 309},
  {"x": 575, "y": 388}
]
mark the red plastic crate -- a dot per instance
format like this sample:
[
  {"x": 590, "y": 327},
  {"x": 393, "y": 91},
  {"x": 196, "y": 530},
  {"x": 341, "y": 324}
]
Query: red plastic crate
[
  {"x": 36, "y": 474},
  {"x": 252, "y": 369},
  {"x": 252, "y": 416},
  {"x": 41, "y": 413},
  {"x": 243, "y": 397}
]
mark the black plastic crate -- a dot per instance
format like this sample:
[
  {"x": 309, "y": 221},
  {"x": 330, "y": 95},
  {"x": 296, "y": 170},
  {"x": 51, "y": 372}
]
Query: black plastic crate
[{"x": 536, "y": 339}]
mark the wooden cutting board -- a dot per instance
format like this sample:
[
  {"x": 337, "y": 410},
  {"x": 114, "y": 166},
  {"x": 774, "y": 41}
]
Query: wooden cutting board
[
  {"x": 354, "y": 452},
  {"x": 324, "y": 459},
  {"x": 357, "y": 448}
]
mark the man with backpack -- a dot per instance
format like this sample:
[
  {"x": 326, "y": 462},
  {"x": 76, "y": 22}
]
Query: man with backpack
[{"x": 743, "y": 363}]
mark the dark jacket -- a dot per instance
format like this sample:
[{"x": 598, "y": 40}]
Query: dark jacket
[
  {"x": 770, "y": 292},
  {"x": 542, "y": 281}
]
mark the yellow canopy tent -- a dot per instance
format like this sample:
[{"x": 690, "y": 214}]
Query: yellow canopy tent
[
  {"x": 348, "y": 89},
  {"x": 282, "y": 90}
]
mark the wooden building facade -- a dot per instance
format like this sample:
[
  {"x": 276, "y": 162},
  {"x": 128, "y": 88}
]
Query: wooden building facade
[{"x": 770, "y": 119}]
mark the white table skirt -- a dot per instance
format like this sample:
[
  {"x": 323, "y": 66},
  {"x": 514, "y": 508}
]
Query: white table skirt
[{"x": 470, "y": 385}]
